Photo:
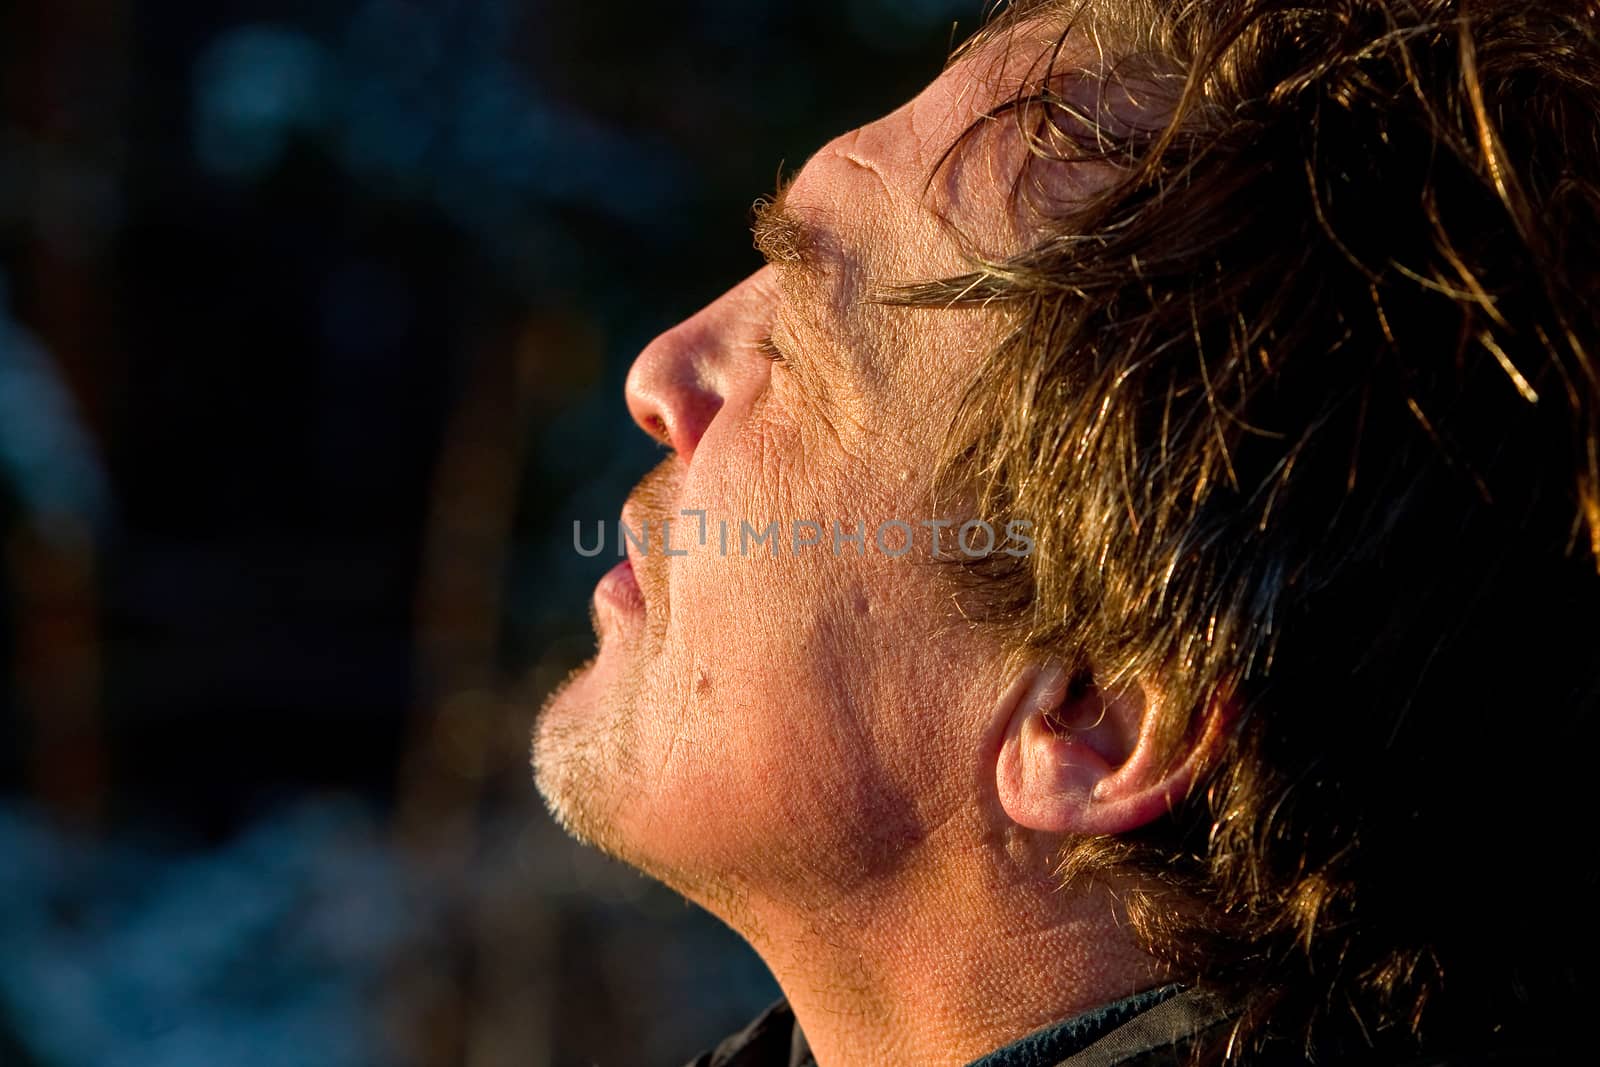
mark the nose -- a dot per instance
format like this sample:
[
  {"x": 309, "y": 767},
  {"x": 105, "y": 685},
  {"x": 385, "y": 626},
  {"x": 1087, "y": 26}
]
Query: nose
[
  {"x": 672, "y": 390},
  {"x": 677, "y": 385}
]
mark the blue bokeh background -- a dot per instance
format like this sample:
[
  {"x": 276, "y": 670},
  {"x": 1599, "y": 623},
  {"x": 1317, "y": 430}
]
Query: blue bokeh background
[{"x": 313, "y": 324}]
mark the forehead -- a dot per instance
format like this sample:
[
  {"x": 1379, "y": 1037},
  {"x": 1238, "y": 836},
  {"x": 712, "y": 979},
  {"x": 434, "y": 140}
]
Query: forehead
[{"x": 889, "y": 190}]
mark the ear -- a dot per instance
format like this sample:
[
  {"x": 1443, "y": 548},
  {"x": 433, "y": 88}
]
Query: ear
[{"x": 1078, "y": 760}]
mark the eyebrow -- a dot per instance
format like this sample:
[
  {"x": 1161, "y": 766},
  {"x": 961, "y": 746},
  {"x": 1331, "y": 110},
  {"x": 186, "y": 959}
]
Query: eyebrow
[{"x": 789, "y": 243}]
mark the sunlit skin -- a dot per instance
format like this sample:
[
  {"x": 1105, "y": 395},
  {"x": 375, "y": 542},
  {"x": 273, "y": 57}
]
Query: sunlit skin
[{"x": 817, "y": 748}]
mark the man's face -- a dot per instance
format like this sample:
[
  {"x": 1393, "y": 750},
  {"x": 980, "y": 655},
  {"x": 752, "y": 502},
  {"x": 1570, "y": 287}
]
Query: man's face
[{"x": 770, "y": 723}]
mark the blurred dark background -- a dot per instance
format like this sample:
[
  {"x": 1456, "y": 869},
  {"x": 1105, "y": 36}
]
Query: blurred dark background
[{"x": 313, "y": 324}]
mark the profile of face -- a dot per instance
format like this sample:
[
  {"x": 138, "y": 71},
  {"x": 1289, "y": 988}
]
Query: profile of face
[{"x": 793, "y": 723}]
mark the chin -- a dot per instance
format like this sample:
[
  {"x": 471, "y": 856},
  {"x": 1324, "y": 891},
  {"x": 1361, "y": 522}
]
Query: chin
[
  {"x": 568, "y": 744},
  {"x": 585, "y": 748},
  {"x": 584, "y": 738}
]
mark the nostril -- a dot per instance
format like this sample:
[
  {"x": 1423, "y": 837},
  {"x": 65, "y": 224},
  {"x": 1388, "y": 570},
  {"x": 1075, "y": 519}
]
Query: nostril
[{"x": 656, "y": 427}]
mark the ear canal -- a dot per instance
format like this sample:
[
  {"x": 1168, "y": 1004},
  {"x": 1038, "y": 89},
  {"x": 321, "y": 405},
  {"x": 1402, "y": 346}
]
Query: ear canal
[{"x": 1079, "y": 685}]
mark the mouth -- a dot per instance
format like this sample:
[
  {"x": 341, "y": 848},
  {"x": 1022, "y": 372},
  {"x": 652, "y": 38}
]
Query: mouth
[{"x": 619, "y": 591}]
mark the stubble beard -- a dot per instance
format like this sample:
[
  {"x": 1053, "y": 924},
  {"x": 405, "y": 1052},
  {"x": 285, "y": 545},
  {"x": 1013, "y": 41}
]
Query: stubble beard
[
  {"x": 586, "y": 767},
  {"x": 579, "y": 755},
  {"x": 586, "y": 745},
  {"x": 585, "y": 759}
]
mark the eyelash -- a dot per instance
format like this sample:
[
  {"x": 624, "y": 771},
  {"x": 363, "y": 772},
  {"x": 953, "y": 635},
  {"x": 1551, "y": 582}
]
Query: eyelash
[{"x": 769, "y": 350}]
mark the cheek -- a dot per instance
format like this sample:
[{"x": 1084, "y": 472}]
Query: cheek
[
  {"x": 779, "y": 761},
  {"x": 746, "y": 611},
  {"x": 796, "y": 681},
  {"x": 761, "y": 469},
  {"x": 828, "y": 745},
  {"x": 744, "y": 606}
]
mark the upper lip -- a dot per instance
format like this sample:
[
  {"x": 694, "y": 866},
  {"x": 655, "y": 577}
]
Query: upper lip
[
  {"x": 629, "y": 512},
  {"x": 643, "y": 514}
]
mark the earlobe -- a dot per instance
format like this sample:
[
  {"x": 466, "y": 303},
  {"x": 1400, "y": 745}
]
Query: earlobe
[{"x": 1075, "y": 759}]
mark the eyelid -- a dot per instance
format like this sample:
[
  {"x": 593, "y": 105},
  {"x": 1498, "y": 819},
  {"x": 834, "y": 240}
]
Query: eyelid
[{"x": 769, "y": 349}]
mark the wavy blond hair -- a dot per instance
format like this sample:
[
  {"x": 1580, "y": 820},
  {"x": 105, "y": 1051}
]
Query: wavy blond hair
[{"x": 1305, "y": 408}]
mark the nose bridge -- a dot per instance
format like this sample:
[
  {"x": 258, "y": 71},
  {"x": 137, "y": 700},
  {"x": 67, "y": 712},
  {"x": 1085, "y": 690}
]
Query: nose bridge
[{"x": 678, "y": 382}]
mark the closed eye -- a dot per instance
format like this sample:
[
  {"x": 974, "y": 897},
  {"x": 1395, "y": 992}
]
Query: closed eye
[{"x": 768, "y": 349}]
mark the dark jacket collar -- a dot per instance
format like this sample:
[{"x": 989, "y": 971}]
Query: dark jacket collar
[
  {"x": 1155, "y": 1019},
  {"x": 1157, "y": 1028}
]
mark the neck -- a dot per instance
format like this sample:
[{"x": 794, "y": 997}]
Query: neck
[{"x": 946, "y": 969}]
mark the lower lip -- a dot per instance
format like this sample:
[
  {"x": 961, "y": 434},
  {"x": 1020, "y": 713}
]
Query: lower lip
[{"x": 620, "y": 589}]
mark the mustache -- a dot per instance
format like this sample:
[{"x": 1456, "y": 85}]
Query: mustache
[
  {"x": 653, "y": 497},
  {"x": 653, "y": 501}
]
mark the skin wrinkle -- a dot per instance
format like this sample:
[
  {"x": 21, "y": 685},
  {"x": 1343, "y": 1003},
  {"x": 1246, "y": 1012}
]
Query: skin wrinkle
[
  {"x": 828, "y": 320},
  {"x": 818, "y": 399},
  {"x": 678, "y": 732},
  {"x": 851, "y": 333}
]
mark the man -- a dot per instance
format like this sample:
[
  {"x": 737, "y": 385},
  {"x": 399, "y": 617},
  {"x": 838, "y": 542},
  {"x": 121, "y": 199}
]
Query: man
[{"x": 1260, "y": 338}]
